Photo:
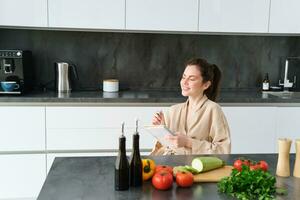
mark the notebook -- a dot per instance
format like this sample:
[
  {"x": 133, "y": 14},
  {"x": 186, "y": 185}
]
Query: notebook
[{"x": 160, "y": 132}]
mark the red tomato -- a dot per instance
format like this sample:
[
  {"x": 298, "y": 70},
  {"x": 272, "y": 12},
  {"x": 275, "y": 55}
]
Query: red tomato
[
  {"x": 184, "y": 179},
  {"x": 263, "y": 165},
  {"x": 164, "y": 167},
  {"x": 238, "y": 164},
  {"x": 246, "y": 162},
  {"x": 254, "y": 167},
  {"x": 162, "y": 180}
]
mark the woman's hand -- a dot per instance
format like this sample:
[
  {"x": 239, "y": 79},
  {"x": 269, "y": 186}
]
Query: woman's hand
[
  {"x": 180, "y": 140},
  {"x": 158, "y": 118}
]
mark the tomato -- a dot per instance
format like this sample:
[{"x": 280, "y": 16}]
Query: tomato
[
  {"x": 263, "y": 165},
  {"x": 254, "y": 167},
  {"x": 164, "y": 167},
  {"x": 239, "y": 163},
  {"x": 162, "y": 180},
  {"x": 184, "y": 179},
  {"x": 246, "y": 162}
]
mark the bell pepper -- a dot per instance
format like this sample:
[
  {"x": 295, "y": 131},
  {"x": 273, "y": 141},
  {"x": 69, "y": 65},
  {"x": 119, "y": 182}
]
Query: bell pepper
[{"x": 148, "y": 168}]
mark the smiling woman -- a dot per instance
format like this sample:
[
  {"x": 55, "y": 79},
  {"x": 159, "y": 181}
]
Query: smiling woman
[{"x": 199, "y": 123}]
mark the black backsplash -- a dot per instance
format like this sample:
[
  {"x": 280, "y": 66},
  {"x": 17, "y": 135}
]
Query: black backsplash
[{"x": 153, "y": 61}]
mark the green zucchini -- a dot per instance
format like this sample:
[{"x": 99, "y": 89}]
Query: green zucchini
[
  {"x": 191, "y": 169},
  {"x": 179, "y": 169},
  {"x": 206, "y": 163}
]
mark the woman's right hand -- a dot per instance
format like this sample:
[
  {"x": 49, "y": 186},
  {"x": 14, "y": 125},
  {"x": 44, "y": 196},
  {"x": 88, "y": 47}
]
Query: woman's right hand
[{"x": 158, "y": 118}]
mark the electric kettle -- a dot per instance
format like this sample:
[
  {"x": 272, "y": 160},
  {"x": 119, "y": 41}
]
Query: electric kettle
[{"x": 63, "y": 76}]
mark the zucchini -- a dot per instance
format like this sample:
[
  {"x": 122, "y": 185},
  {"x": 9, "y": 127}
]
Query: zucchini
[
  {"x": 179, "y": 168},
  {"x": 191, "y": 169},
  {"x": 206, "y": 163}
]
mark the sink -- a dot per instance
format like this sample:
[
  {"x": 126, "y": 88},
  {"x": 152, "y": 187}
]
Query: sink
[{"x": 285, "y": 94}]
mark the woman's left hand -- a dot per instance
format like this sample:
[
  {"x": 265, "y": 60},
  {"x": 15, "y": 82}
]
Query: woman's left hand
[{"x": 179, "y": 140}]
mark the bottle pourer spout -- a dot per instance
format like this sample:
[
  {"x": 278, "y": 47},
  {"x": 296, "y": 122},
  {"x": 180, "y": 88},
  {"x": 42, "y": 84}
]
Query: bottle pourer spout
[
  {"x": 123, "y": 124},
  {"x": 136, "y": 125}
]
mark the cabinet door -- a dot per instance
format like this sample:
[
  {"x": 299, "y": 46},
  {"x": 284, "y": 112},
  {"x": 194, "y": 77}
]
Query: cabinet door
[
  {"x": 91, "y": 128},
  {"x": 234, "y": 15},
  {"x": 31, "y": 13},
  {"x": 162, "y": 15},
  {"x": 22, "y": 128},
  {"x": 98, "y": 14},
  {"x": 287, "y": 124},
  {"x": 284, "y": 16},
  {"x": 253, "y": 129},
  {"x": 22, "y": 176}
]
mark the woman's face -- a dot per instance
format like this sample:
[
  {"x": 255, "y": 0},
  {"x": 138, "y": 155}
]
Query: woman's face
[{"x": 192, "y": 82}]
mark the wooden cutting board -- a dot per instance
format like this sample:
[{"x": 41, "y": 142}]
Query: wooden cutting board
[{"x": 214, "y": 175}]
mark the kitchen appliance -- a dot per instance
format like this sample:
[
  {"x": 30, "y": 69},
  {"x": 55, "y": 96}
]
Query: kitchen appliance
[
  {"x": 16, "y": 66},
  {"x": 63, "y": 76}
]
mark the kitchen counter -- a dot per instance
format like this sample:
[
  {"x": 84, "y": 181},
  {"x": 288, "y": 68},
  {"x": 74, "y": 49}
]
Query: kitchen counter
[
  {"x": 144, "y": 98},
  {"x": 93, "y": 178}
]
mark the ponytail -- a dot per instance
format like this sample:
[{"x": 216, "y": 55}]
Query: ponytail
[
  {"x": 209, "y": 72},
  {"x": 213, "y": 91}
]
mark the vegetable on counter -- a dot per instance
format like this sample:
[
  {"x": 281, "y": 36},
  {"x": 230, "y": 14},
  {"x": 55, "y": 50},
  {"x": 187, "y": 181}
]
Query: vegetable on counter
[
  {"x": 206, "y": 163},
  {"x": 162, "y": 180},
  {"x": 248, "y": 184},
  {"x": 185, "y": 168},
  {"x": 184, "y": 179},
  {"x": 250, "y": 180},
  {"x": 148, "y": 168},
  {"x": 164, "y": 167},
  {"x": 239, "y": 163}
]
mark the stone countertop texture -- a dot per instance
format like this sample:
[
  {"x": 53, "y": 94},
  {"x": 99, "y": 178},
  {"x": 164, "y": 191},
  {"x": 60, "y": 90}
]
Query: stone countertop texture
[
  {"x": 155, "y": 97},
  {"x": 92, "y": 178}
]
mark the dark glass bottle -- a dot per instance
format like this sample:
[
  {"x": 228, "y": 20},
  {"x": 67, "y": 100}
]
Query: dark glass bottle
[
  {"x": 122, "y": 165},
  {"x": 136, "y": 167}
]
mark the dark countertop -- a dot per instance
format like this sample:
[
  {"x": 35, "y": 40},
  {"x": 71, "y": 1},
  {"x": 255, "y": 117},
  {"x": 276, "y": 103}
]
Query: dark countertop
[
  {"x": 92, "y": 178},
  {"x": 150, "y": 96}
]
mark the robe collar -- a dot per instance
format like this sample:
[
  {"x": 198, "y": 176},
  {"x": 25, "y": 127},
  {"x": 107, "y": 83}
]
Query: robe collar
[{"x": 199, "y": 104}]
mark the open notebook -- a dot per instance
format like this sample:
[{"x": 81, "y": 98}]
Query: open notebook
[{"x": 160, "y": 132}]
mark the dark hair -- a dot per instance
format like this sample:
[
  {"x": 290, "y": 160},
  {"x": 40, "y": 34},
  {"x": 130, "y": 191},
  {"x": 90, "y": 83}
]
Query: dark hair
[{"x": 209, "y": 72}]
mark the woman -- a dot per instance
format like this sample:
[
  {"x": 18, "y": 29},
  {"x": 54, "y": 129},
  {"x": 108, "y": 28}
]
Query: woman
[{"x": 199, "y": 123}]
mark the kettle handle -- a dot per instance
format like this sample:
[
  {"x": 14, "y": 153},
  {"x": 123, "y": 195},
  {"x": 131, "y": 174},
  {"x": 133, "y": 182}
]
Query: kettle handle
[
  {"x": 55, "y": 76},
  {"x": 74, "y": 69}
]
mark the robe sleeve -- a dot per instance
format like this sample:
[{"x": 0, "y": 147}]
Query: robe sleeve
[{"x": 219, "y": 136}]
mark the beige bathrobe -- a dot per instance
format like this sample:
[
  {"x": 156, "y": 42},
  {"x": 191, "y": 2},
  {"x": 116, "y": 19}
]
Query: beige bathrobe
[{"x": 207, "y": 128}]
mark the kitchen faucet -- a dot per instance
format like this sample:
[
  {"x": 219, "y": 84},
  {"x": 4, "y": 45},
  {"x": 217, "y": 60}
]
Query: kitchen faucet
[{"x": 286, "y": 82}]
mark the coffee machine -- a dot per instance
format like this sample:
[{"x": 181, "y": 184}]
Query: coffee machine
[{"x": 16, "y": 66}]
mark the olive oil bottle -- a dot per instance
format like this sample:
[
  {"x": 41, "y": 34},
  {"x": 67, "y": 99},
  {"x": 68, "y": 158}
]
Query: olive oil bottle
[
  {"x": 136, "y": 167},
  {"x": 122, "y": 165}
]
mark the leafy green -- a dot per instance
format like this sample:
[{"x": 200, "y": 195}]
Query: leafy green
[{"x": 249, "y": 184}]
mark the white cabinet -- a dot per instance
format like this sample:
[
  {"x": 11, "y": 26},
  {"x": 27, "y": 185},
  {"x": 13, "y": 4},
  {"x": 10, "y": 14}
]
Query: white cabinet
[
  {"x": 22, "y": 176},
  {"x": 93, "y": 14},
  {"x": 288, "y": 124},
  {"x": 284, "y": 16},
  {"x": 94, "y": 128},
  {"x": 162, "y": 15},
  {"x": 253, "y": 129},
  {"x": 32, "y": 13},
  {"x": 234, "y": 16},
  {"x": 22, "y": 128}
]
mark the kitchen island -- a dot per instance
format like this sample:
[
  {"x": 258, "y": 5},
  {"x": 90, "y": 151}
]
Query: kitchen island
[{"x": 93, "y": 178}]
